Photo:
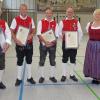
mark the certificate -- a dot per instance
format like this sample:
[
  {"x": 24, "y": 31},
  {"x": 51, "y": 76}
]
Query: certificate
[
  {"x": 49, "y": 36},
  {"x": 22, "y": 34},
  {"x": 71, "y": 39},
  {"x": 2, "y": 38}
]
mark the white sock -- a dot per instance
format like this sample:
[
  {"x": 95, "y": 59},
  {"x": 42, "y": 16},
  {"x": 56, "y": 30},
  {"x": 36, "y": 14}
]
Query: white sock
[
  {"x": 29, "y": 74},
  {"x": 19, "y": 72},
  {"x": 1, "y": 74},
  {"x": 72, "y": 69},
  {"x": 52, "y": 71},
  {"x": 64, "y": 69},
  {"x": 41, "y": 71}
]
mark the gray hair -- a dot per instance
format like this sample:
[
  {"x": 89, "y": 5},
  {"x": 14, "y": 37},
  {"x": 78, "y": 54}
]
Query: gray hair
[{"x": 97, "y": 11}]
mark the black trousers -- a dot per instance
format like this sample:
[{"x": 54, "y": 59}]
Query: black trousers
[
  {"x": 68, "y": 53},
  {"x": 43, "y": 53},
  {"x": 2, "y": 61},
  {"x": 24, "y": 51}
]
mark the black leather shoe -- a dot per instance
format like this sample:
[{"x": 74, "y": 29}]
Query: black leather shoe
[
  {"x": 63, "y": 78},
  {"x": 95, "y": 81},
  {"x": 74, "y": 78},
  {"x": 53, "y": 79},
  {"x": 18, "y": 82},
  {"x": 31, "y": 81},
  {"x": 41, "y": 80},
  {"x": 2, "y": 86}
]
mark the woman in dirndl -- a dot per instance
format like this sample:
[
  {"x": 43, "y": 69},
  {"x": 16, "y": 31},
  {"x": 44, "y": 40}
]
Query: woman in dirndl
[{"x": 92, "y": 55}]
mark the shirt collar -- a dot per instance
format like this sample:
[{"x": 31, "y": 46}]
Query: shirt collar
[
  {"x": 22, "y": 17},
  {"x": 68, "y": 19},
  {"x": 47, "y": 20}
]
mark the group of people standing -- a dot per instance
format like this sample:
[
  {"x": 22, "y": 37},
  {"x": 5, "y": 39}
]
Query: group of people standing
[{"x": 91, "y": 63}]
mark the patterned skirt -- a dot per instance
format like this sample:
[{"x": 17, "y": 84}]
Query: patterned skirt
[{"x": 92, "y": 60}]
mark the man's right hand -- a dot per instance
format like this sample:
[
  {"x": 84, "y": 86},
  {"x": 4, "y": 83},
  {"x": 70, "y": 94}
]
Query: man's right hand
[
  {"x": 48, "y": 44},
  {"x": 18, "y": 42}
]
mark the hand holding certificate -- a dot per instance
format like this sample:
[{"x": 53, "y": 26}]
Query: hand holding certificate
[
  {"x": 49, "y": 36},
  {"x": 22, "y": 34},
  {"x": 71, "y": 39}
]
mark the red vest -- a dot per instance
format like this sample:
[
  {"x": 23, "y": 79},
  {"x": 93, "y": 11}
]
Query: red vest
[
  {"x": 2, "y": 25},
  {"x": 94, "y": 34},
  {"x": 25, "y": 23},
  {"x": 69, "y": 25},
  {"x": 47, "y": 25}
]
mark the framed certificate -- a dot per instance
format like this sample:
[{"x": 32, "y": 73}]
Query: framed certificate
[
  {"x": 2, "y": 38},
  {"x": 71, "y": 39},
  {"x": 49, "y": 36},
  {"x": 22, "y": 34}
]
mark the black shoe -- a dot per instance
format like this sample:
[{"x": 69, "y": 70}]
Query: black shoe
[
  {"x": 95, "y": 81},
  {"x": 63, "y": 78},
  {"x": 41, "y": 80},
  {"x": 31, "y": 81},
  {"x": 18, "y": 82},
  {"x": 2, "y": 86},
  {"x": 53, "y": 79},
  {"x": 74, "y": 78}
]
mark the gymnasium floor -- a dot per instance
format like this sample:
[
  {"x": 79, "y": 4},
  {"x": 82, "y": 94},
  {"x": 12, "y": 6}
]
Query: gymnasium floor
[{"x": 69, "y": 90}]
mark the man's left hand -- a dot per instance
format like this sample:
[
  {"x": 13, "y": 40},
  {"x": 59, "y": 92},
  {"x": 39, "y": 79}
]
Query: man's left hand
[
  {"x": 5, "y": 47},
  {"x": 30, "y": 37}
]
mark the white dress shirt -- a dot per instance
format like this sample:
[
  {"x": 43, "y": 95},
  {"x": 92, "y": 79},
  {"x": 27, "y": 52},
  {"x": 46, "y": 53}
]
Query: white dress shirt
[
  {"x": 80, "y": 33},
  {"x": 39, "y": 28},
  {"x": 92, "y": 27},
  {"x": 14, "y": 24},
  {"x": 7, "y": 34}
]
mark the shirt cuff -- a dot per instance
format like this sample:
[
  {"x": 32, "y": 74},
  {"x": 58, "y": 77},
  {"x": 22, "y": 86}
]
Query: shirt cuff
[
  {"x": 8, "y": 41},
  {"x": 38, "y": 34}
]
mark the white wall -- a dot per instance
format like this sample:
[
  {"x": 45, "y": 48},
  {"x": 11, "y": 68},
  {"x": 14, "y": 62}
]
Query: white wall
[
  {"x": 84, "y": 19},
  {"x": 14, "y": 4},
  {"x": 98, "y": 3}
]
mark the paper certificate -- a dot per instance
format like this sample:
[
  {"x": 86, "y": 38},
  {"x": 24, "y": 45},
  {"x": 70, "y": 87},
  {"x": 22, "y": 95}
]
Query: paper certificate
[
  {"x": 49, "y": 36},
  {"x": 71, "y": 39},
  {"x": 2, "y": 38},
  {"x": 22, "y": 34}
]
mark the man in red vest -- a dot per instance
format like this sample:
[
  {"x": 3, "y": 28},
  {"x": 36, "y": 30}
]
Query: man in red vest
[
  {"x": 5, "y": 42},
  {"x": 23, "y": 50},
  {"x": 69, "y": 24},
  {"x": 45, "y": 25}
]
